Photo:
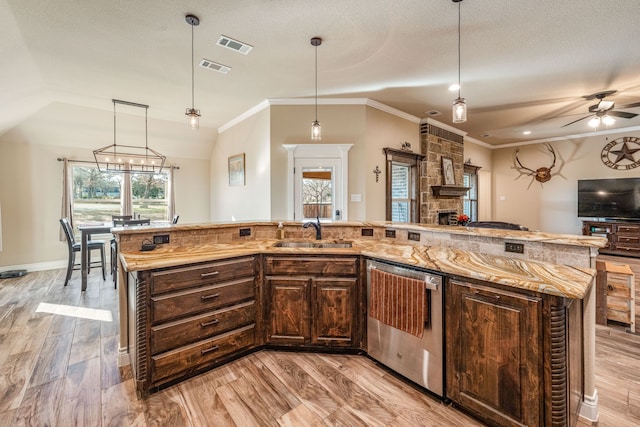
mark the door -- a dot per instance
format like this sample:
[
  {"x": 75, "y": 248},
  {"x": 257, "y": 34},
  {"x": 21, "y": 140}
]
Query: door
[
  {"x": 288, "y": 310},
  {"x": 334, "y": 311},
  {"x": 316, "y": 189}
]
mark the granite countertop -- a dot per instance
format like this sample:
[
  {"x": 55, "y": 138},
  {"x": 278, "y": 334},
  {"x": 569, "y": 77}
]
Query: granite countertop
[
  {"x": 547, "y": 278},
  {"x": 530, "y": 236}
]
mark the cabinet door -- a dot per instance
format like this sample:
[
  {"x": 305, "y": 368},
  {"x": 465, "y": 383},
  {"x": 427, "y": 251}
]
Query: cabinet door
[
  {"x": 334, "y": 311},
  {"x": 494, "y": 353},
  {"x": 288, "y": 310}
]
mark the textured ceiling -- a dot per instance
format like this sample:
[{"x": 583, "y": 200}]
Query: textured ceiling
[{"x": 525, "y": 65}]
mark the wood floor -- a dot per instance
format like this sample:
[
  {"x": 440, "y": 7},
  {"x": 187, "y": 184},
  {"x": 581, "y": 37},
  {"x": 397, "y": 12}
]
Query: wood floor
[{"x": 58, "y": 368}]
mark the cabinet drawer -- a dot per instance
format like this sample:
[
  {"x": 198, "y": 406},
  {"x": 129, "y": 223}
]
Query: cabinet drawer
[
  {"x": 626, "y": 248},
  {"x": 627, "y": 228},
  {"x": 310, "y": 265},
  {"x": 215, "y": 272},
  {"x": 179, "y": 304},
  {"x": 628, "y": 239},
  {"x": 176, "y": 334},
  {"x": 190, "y": 358}
]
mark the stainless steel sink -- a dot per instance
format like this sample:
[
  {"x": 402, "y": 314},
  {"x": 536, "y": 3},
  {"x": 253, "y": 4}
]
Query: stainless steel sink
[{"x": 307, "y": 244}]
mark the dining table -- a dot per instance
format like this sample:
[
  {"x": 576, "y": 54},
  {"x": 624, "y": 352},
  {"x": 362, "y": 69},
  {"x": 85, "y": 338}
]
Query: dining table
[{"x": 86, "y": 230}]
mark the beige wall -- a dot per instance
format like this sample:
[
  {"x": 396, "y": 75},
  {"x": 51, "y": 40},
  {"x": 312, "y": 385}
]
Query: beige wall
[
  {"x": 251, "y": 201},
  {"x": 383, "y": 130},
  {"x": 480, "y": 155},
  {"x": 291, "y": 124},
  {"x": 31, "y": 187},
  {"x": 552, "y": 206}
]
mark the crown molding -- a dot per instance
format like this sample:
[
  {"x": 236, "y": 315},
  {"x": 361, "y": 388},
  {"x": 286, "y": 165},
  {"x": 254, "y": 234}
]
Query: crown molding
[{"x": 323, "y": 101}]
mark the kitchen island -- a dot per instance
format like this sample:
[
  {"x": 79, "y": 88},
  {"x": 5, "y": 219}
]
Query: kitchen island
[{"x": 225, "y": 267}]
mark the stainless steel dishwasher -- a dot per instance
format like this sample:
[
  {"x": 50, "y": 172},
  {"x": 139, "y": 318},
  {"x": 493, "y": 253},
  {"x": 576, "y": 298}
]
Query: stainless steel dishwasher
[{"x": 419, "y": 359}]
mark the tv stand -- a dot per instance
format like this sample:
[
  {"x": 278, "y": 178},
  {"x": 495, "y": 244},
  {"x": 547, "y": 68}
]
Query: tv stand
[{"x": 623, "y": 237}]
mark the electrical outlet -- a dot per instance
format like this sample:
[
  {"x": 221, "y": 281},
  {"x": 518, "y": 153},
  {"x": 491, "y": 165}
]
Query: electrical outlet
[
  {"x": 245, "y": 232},
  {"x": 413, "y": 236},
  {"x": 514, "y": 247},
  {"x": 367, "y": 232},
  {"x": 390, "y": 233},
  {"x": 160, "y": 239}
]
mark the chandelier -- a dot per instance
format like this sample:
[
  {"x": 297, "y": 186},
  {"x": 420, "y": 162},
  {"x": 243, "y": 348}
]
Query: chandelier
[{"x": 119, "y": 158}]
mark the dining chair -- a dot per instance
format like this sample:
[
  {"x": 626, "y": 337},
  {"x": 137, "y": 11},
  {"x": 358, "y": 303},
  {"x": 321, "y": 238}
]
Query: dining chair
[
  {"x": 76, "y": 247},
  {"x": 122, "y": 222}
]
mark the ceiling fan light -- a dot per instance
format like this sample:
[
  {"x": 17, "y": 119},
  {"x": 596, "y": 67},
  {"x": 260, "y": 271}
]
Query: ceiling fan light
[
  {"x": 595, "y": 122},
  {"x": 459, "y": 110},
  {"x": 608, "y": 120}
]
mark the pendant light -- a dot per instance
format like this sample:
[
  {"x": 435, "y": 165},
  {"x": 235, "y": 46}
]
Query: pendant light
[
  {"x": 193, "y": 115},
  {"x": 459, "y": 109},
  {"x": 316, "y": 130}
]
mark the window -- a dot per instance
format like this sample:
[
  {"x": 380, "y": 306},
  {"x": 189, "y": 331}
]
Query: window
[
  {"x": 403, "y": 172},
  {"x": 470, "y": 199},
  {"x": 400, "y": 183},
  {"x": 96, "y": 195}
]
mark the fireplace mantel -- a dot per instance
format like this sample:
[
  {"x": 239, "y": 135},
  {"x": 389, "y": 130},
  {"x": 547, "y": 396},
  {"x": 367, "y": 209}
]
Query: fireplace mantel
[{"x": 449, "y": 190}]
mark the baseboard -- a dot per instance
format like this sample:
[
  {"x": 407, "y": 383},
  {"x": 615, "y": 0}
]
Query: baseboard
[
  {"x": 40, "y": 266},
  {"x": 589, "y": 408}
]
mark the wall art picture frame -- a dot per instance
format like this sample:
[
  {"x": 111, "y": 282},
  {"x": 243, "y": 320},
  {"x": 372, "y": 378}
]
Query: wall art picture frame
[
  {"x": 236, "y": 170},
  {"x": 448, "y": 177}
]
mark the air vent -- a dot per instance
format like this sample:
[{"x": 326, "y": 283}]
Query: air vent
[
  {"x": 433, "y": 113},
  {"x": 232, "y": 44},
  {"x": 205, "y": 63}
]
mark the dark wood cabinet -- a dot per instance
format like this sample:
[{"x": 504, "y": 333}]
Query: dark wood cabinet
[
  {"x": 311, "y": 301},
  {"x": 190, "y": 318},
  {"x": 513, "y": 358},
  {"x": 623, "y": 238},
  {"x": 494, "y": 353}
]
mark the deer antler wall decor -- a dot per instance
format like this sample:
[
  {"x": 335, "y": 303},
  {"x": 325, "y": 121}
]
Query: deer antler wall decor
[{"x": 542, "y": 174}]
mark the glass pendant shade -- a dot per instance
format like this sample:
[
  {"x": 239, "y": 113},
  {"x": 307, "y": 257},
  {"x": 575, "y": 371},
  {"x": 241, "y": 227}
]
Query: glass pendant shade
[
  {"x": 193, "y": 118},
  {"x": 316, "y": 131},
  {"x": 459, "y": 110}
]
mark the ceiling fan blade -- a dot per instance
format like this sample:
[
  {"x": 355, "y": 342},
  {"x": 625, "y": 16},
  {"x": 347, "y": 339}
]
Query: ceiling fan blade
[
  {"x": 622, "y": 114},
  {"x": 634, "y": 105},
  {"x": 575, "y": 121}
]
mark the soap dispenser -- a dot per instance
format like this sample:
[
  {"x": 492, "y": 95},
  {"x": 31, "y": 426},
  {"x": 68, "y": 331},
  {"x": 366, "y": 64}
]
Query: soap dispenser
[{"x": 280, "y": 231}]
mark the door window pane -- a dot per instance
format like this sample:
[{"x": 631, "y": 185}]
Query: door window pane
[{"x": 317, "y": 193}]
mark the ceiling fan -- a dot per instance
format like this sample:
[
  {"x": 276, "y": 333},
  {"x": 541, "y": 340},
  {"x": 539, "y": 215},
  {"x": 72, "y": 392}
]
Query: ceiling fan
[{"x": 603, "y": 111}]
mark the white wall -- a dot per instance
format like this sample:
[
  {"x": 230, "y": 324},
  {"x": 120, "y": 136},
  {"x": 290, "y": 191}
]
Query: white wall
[
  {"x": 251, "y": 201},
  {"x": 552, "y": 206}
]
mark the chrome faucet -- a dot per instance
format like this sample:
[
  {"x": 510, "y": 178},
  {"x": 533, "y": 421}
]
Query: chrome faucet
[{"x": 317, "y": 226}]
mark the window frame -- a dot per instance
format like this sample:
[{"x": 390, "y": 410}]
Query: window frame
[
  {"x": 413, "y": 161},
  {"x": 471, "y": 171}
]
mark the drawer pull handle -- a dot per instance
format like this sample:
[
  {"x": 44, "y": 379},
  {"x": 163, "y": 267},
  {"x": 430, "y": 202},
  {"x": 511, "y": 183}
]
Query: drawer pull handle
[
  {"x": 205, "y": 275},
  {"x": 206, "y": 297},
  {"x": 209, "y": 350},
  {"x": 213, "y": 322}
]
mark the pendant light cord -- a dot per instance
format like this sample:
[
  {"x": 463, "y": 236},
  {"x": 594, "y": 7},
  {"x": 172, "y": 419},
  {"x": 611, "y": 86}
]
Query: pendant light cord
[
  {"x": 316, "y": 83},
  {"x": 192, "y": 72},
  {"x": 459, "y": 47}
]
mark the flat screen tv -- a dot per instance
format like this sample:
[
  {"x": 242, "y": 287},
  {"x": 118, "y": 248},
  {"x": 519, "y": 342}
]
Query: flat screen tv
[{"x": 609, "y": 198}]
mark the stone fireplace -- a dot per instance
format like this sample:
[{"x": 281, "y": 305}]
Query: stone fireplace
[{"x": 436, "y": 142}]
